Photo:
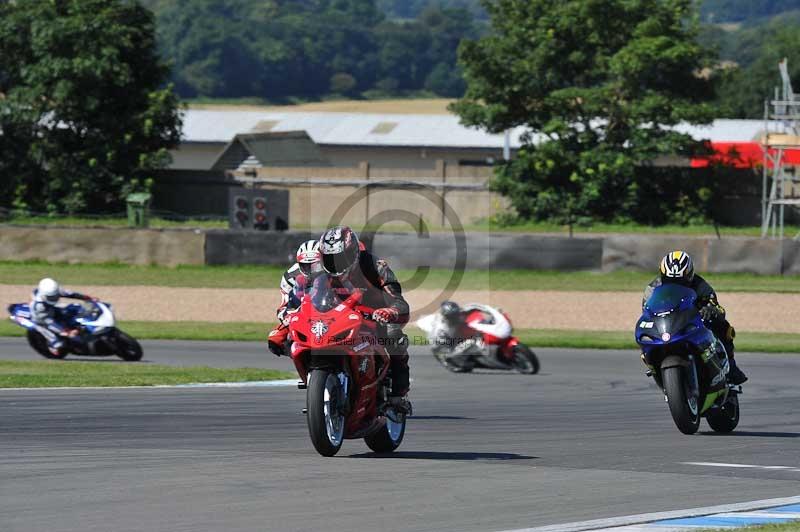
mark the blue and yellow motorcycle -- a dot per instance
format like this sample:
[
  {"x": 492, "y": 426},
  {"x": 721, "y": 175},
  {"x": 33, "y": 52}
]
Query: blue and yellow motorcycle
[{"x": 687, "y": 361}]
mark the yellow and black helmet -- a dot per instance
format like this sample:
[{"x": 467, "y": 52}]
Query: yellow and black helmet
[{"x": 677, "y": 266}]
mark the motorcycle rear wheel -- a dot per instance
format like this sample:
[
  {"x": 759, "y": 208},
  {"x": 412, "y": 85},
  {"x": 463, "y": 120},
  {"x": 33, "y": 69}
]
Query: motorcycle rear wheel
[
  {"x": 525, "y": 361},
  {"x": 685, "y": 410},
  {"x": 388, "y": 437},
  {"x": 325, "y": 417},
  {"x": 39, "y": 344},
  {"x": 127, "y": 347},
  {"x": 726, "y": 417}
]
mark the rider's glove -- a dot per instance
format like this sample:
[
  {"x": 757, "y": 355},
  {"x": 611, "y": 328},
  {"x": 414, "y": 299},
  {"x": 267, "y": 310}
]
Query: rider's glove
[
  {"x": 277, "y": 340},
  {"x": 385, "y": 315},
  {"x": 710, "y": 313}
]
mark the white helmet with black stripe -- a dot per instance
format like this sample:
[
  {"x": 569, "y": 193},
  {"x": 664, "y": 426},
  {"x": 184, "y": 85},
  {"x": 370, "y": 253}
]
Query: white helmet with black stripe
[{"x": 308, "y": 257}]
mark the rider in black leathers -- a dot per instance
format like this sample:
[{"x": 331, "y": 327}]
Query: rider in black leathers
[{"x": 677, "y": 267}]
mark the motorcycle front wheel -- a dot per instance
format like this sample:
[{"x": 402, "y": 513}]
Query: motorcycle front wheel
[
  {"x": 388, "y": 437},
  {"x": 525, "y": 361},
  {"x": 127, "y": 347},
  {"x": 683, "y": 404},
  {"x": 325, "y": 411}
]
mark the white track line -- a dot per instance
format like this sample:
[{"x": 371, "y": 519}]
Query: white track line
[
  {"x": 743, "y": 466},
  {"x": 641, "y": 519}
]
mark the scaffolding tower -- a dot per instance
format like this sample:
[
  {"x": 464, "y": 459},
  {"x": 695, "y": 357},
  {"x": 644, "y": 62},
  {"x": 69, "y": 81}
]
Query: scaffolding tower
[{"x": 781, "y": 133}]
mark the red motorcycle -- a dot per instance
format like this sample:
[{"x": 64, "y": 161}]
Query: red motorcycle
[
  {"x": 343, "y": 365},
  {"x": 484, "y": 340}
]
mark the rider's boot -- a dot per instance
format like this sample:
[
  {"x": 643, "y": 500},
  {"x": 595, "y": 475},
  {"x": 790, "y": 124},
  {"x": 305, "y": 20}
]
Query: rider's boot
[
  {"x": 401, "y": 404},
  {"x": 398, "y": 370},
  {"x": 735, "y": 375}
]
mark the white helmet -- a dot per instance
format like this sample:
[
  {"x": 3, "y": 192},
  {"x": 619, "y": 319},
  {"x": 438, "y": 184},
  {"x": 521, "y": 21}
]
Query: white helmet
[
  {"x": 308, "y": 257},
  {"x": 48, "y": 290}
]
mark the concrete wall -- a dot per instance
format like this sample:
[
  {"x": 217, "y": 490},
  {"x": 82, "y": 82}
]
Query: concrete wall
[
  {"x": 320, "y": 206},
  {"x": 96, "y": 245},
  {"x": 369, "y": 194},
  {"x": 404, "y": 250}
]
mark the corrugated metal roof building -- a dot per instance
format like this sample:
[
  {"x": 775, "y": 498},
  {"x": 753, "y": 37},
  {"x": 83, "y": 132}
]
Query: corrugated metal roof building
[
  {"x": 302, "y": 151},
  {"x": 344, "y": 139},
  {"x": 414, "y": 141}
]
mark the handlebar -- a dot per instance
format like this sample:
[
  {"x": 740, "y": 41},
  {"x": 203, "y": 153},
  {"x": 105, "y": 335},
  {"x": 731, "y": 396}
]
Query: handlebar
[{"x": 365, "y": 312}]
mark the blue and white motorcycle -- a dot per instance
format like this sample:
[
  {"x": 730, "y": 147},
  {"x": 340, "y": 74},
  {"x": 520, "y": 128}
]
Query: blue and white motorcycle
[{"x": 93, "y": 332}]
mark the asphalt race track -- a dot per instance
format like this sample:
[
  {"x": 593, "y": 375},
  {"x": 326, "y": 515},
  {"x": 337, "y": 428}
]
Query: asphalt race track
[{"x": 588, "y": 438}]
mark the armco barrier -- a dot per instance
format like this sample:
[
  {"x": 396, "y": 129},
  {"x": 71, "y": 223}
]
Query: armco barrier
[
  {"x": 511, "y": 251},
  {"x": 409, "y": 251},
  {"x": 726, "y": 255},
  {"x": 637, "y": 252},
  {"x": 95, "y": 245},
  {"x": 403, "y": 250},
  {"x": 487, "y": 251},
  {"x": 790, "y": 261},
  {"x": 253, "y": 247},
  {"x": 257, "y": 247}
]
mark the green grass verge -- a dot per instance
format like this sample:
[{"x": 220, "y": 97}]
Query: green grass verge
[
  {"x": 257, "y": 332},
  {"x": 47, "y": 374},
  {"x": 29, "y": 273}
]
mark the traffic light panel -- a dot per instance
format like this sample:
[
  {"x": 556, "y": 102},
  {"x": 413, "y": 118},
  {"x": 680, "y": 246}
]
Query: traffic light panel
[
  {"x": 264, "y": 210},
  {"x": 260, "y": 220},
  {"x": 241, "y": 211}
]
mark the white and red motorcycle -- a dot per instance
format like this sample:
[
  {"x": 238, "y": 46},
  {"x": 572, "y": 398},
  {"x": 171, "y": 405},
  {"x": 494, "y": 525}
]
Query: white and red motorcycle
[{"x": 482, "y": 339}]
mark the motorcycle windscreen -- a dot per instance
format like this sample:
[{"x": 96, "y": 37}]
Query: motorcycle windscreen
[
  {"x": 327, "y": 293},
  {"x": 675, "y": 322},
  {"x": 670, "y": 298}
]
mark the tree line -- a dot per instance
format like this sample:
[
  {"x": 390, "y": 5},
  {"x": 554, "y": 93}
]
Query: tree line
[
  {"x": 748, "y": 56},
  {"x": 89, "y": 93},
  {"x": 280, "y": 51},
  {"x": 304, "y": 50},
  {"x": 86, "y": 111}
]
